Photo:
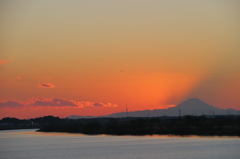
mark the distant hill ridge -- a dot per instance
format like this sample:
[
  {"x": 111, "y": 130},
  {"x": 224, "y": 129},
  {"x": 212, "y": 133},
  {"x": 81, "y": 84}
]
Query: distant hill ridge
[{"x": 192, "y": 106}]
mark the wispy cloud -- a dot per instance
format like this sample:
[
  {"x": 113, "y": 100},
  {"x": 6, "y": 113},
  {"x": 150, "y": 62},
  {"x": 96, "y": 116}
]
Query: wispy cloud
[
  {"x": 99, "y": 104},
  {"x": 4, "y": 61},
  {"x": 54, "y": 102},
  {"x": 46, "y": 85},
  {"x": 11, "y": 104}
]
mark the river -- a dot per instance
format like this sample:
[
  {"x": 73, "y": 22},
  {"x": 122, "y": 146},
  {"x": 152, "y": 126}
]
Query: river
[{"x": 28, "y": 144}]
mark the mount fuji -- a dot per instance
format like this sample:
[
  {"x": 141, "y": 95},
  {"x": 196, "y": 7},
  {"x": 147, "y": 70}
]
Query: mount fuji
[{"x": 192, "y": 106}]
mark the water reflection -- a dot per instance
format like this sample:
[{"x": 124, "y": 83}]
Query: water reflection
[
  {"x": 29, "y": 144},
  {"x": 35, "y": 132}
]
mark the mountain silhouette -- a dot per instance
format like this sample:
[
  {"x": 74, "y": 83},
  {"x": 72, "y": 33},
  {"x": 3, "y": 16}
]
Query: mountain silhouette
[
  {"x": 192, "y": 106},
  {"x": 194, "y": 103},
  {"x": 195, "y": 106}
]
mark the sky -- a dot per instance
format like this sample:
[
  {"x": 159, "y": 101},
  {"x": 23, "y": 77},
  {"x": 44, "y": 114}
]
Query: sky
[{"x": 96, "y": 57}]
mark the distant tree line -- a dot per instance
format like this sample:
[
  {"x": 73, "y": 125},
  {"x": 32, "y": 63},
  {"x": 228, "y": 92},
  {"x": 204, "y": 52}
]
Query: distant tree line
[
  {"x": 185, "y": 125},
  {"x": 15, "y": 123}
]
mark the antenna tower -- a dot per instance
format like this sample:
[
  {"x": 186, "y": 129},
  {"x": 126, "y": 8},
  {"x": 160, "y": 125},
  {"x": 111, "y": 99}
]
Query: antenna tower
[{"x": 126, "y": 110}]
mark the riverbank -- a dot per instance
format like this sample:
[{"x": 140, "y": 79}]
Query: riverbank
[{"x": 187, "y": 125}]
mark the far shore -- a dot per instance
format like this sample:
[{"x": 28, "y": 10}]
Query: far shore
[
  {"x": 225, "y": 125},
  {"x": 181, "y": 126}
]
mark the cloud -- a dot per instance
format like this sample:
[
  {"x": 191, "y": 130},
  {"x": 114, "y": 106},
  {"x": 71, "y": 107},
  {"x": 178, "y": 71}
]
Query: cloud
[
  {"x": 61, "y": 102},
  {"x": 4, "y": 61},
  {"x": 46, "y": 85},
  {"x": 54, "y": 102},
  {"x": 95, "y": 104},
  {"x": 11, "y": 104},
  {"x": 99, "y": 104}
]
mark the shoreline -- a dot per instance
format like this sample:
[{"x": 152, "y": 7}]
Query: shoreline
[
  {"x": 180, "y": 126},
  {"x": 147, "y": 135}
]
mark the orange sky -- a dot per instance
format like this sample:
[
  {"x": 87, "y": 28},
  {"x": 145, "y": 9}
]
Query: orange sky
[{"x": 94, "y": 57}]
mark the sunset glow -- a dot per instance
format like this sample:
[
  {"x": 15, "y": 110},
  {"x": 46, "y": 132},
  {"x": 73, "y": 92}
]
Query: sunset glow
[{"x": 67, "y": 58}]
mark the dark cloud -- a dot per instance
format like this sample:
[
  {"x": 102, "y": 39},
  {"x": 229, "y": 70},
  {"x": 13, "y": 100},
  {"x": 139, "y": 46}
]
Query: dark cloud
[
  {"x": 11, "y": 104},
  {"x": 98, "y": 104},
  {"x": 54, "y": 102},
  {"x": 46, "y": 85}
]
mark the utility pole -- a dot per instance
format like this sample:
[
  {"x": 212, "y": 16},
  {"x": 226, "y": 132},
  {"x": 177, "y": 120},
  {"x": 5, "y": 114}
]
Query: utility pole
[{"x": 126, "y": 110}]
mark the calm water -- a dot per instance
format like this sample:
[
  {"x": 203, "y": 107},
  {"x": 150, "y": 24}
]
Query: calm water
[{"x": 27, "y": 144}]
